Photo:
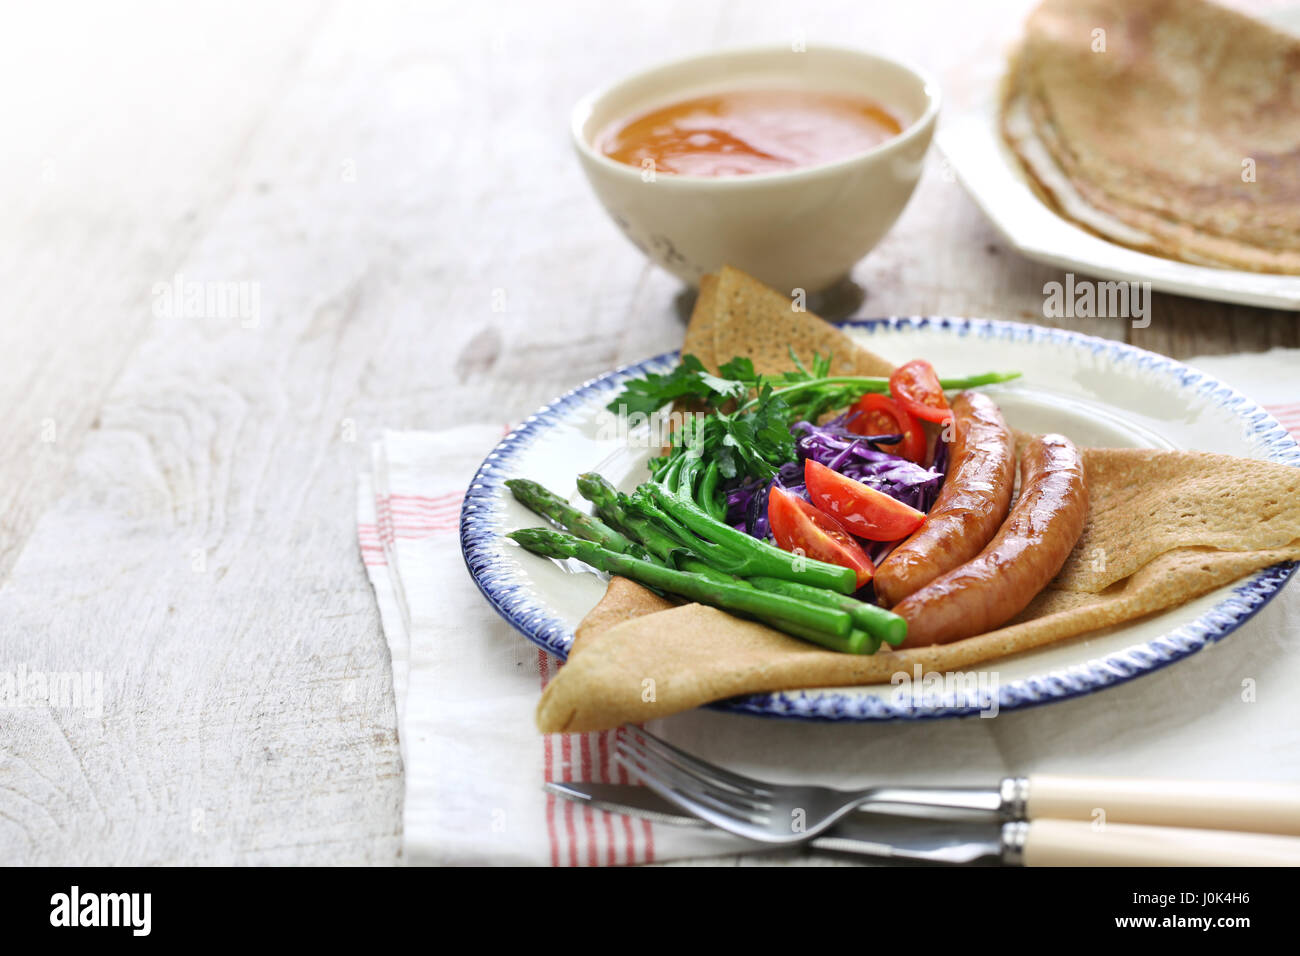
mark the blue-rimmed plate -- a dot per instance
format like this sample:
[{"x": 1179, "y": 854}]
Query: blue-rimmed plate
[{"x": 1099, "y": 392}]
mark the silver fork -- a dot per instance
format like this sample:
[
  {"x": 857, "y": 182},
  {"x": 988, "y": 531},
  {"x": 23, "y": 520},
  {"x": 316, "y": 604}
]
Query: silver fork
[{"x": 779, "y": 813}]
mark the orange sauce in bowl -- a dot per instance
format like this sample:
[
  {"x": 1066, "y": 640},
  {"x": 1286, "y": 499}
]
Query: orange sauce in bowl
[{"x": 743, "y": 132}]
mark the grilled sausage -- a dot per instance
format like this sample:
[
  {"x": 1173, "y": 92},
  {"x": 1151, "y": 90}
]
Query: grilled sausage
[
  {"x": 971, "y": 506},
  {"x": 1026, "y": 553}
]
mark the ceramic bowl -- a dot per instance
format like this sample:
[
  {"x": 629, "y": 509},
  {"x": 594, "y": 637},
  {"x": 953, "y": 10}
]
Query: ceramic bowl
[{"x": 799, "y": 229}]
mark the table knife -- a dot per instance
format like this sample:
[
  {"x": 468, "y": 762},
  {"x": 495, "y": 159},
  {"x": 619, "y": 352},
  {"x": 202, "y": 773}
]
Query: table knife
[
  {"x": 880, "y": 835},
  {"x": 1210, "y": 805},
  {"x": 981, "y": 838}
]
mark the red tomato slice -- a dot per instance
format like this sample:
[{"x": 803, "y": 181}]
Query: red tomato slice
[
  {"x": 861, "y": 509},
  {"x": 916, "y": 387},
  {"x": 878, "y": 415},
  {"x": 798, "y": 526}
]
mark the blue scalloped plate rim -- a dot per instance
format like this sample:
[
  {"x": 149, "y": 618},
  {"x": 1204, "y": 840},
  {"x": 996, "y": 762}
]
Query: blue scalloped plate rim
[{"x": 536, "y": 622}]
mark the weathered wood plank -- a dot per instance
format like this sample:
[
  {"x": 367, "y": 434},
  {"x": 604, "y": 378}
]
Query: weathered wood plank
[{"x": 397, "y": 185}]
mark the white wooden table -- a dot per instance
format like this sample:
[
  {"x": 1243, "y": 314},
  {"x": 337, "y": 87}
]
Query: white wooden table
[{"x": 388, "y": 195}]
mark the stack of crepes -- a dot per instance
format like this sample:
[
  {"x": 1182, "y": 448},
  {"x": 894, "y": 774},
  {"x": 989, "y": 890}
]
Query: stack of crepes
[
  {"x": 1170, "y": 126},
  {"x": 1171, "y": 525}
]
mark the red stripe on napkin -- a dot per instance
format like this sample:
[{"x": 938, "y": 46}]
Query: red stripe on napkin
[
  {"x": 1288, "y": 415},
  {"x": 587, "y": 757},
  {"x": 404, "y": 516},
  {"x": 602, "y": 755},
  {"x": 582, "y": 757},
  {"x": 429, "y": 501},
  {"x": 372, "y": 549},
  {"x": 548, "y": 768}
]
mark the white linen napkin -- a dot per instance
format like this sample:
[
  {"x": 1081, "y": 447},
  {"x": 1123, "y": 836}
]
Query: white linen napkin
[{"x": 467, "y": 684}]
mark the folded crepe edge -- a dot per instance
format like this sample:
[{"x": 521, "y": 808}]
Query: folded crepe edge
[
  {"x": 667, "y": 661},
  {"x": 623, "y": 600}
]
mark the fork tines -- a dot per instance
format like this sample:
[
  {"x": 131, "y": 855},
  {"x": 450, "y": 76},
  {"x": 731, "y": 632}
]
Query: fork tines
[{"x": 727, "y": 799}]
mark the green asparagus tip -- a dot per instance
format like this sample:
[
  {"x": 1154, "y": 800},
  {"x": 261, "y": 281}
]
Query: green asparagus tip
[
  {"x": 541, "y": 541},
  {"x": 861, "y": 642},
  {"x": 893, "y": 629}
]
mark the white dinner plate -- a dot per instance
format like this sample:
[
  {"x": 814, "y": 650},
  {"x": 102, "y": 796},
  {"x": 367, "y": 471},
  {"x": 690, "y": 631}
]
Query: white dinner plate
[
  {"x": 991, "y": 173},
  {"x": 1099, "y": 392}
]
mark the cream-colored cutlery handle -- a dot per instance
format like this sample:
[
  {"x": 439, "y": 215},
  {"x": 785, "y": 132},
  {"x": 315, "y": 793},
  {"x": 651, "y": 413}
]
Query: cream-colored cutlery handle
[
  {"x": 1251, "y": 807},
  {"x": 1069, "y": 843}
]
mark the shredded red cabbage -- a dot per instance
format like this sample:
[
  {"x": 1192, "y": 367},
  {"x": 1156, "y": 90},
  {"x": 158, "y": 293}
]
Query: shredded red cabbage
[{"x": 856, "y": 456}]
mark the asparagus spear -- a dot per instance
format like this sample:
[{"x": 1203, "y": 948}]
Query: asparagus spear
[
  {"x": 685, "y": 541},
  {"x": 613, "y": 506},
  {"x": 877, "y": 623},
  {"x": 882, "y": 625},
  {"x": 605, "y": 498},
  {"x": 708, "y": 496},
  {"x": 547, "y": 504},
  {"x": 749, "y": 556},
  {"x": 858, "y": 641},
  {"x": 777, "y": 609},
  {"x": 621, "y": 513}
]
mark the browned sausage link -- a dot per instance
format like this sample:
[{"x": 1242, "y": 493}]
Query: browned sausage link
[
  {"x": 1026, "y": 553},
  {"x": 971, "y": 506}
]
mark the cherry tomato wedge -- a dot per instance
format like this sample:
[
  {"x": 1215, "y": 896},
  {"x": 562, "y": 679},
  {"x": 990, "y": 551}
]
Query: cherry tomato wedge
[
  {"x": 799, "y": 527},
  {"x": 916, "y": 387},
  {"x": 861, "y": 509},
  {"x": 879, "y": 415}
]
